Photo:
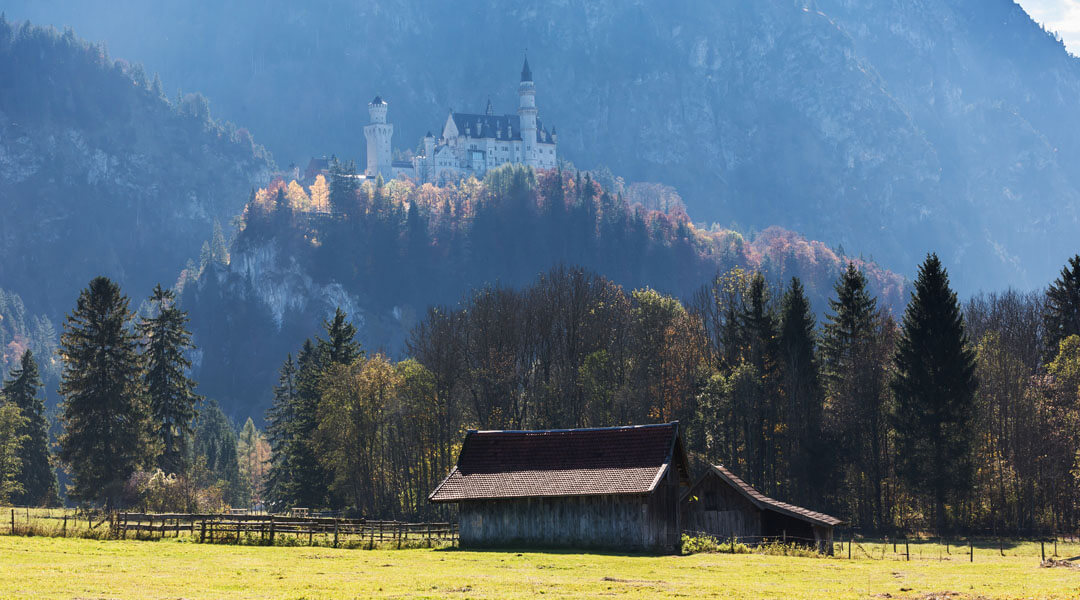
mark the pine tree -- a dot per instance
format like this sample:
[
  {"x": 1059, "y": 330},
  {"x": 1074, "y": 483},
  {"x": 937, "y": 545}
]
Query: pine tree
[
  {"x": 935, "y": 393},
  {"x": 802, "y": 392},
  {"x": 252, "y": 452},
  {"x": 1061, "y": 316},
  {"x": 11, "y": 443},
  {"x": 215, "y": 441},
  {"x": 106, "y": 419},
  {"x": 310, "y": 482},
  {"x": 170, "y": 393},
  {"x": 36, "y": 474},
  {"x": 281, "y": 420},
  {"x": 758, "y": 332},
  {"x": 340, "y": 345},
  {"x": 855, "y": 399}
]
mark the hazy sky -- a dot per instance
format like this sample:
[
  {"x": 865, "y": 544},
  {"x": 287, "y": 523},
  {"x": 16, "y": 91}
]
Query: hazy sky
[{"x": 1062, "y": 16}]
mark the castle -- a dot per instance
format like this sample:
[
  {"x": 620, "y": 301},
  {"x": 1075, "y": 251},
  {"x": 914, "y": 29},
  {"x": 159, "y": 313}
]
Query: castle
[{"x": 470, "y": 144}]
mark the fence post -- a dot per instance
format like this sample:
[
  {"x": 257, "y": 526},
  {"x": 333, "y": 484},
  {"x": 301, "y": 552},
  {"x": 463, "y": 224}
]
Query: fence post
[
  {"x": 271, "y": 530},
  {"x": 1001, "y": 547},
  {"x": 335, "y": 532},
  {"x": 13, "y": 521},
  {"x": 971, "y": 549},
  {"x": 64, "y": 534},
  {"x": 202, "y": 532},
  {"x": 1055, "y": 545},
  {"x": 907, "y": 549},
  {"x": 1042, "y": 548},
  {"x": 851, "y": 536}
]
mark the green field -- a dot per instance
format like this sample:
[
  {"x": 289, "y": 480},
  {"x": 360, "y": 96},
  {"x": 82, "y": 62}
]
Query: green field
[{"x": 43, "y": 567}]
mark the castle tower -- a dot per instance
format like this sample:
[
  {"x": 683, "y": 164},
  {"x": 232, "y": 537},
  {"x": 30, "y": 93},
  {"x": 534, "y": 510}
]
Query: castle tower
[
  {"x": 527, "y": 114},
  {"x": 378, "y": 134}
]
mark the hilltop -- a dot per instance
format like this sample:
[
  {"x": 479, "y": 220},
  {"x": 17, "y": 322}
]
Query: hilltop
[
  {"x": 100, "y": 174},
  {"x": 385, "y": 254},
  {"x": 890, "y": 127}
]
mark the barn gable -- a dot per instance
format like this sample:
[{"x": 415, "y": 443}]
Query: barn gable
[{"x": 721, "y": 504}]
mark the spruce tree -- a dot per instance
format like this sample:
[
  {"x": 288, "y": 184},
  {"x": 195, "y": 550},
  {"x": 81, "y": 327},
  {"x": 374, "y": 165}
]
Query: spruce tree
[
  {"x": 935, "y": 393},
  {"x": 1061, "y": 315},
  {"x": 340, "y": 345},
  {"x": 802, "y": 392},
  {"x": 215, "y": 441},
  {"x": 856, "y": 415},
  {"x": 310, "y": 483},
  {"x": 758, "y": 323},
  {"x": 36, "y": 474},
  {"x": 105, "y": 417},
  {"x": 11, "y": 443},
  {"x": 170, "y": 392},
  {"x": 281, "y": 421}
]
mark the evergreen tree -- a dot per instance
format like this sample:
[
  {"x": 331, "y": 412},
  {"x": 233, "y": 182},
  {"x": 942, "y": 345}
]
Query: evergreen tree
[
  {"x": 251, "y": 449},
  {"x": 281, "y": 419},
  {"x": 310, "y": 482},
  {"x": 11, "y": 443},
  {"x": 758, "y": 332},
  {"x": 215, "y": 441},
  {"x": 343, "y": 187},
  {"x": 1062, "y": 313},
  {"x": 170, "y": 393},
  {"x": 36, "y": 474},
  {"x": 106, "y": 419},
  {"x": 855, "y": 400},
  {"x": 340, "y": 345},
  {"x": 802, "y": 393},
  {"x": 935, "y": 393}
]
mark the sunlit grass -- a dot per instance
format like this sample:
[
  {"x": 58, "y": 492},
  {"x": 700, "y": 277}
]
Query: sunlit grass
[{"x": 41, "y": 567}]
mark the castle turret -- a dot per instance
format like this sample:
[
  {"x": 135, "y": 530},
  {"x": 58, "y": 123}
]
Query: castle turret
[
  {"x": 379, "y": 134},
  {"x": 527, "y": 114}
]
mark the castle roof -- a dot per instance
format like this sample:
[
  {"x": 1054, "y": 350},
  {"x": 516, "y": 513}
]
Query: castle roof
[
  {"x": 378, "y": 100},
  {"x": 486, "y": 126},
  {"x": 526, "y": 72}
]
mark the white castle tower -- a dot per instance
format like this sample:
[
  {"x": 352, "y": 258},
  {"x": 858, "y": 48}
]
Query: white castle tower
[
  {"x": 527, "y": 114},
  {"x": 378, "y": 134}
]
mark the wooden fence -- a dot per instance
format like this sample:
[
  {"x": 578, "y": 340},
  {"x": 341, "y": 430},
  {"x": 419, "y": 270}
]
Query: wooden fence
[{"x": 271, "y": 529}]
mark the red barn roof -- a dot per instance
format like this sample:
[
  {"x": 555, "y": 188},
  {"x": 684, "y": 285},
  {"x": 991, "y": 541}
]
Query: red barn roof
[{"x": 563, "y": 462}]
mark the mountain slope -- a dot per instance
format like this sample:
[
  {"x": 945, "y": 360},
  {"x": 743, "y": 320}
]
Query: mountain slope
[
  {"x": 100, "y": 175},
  {"x": 893, "y": 127},
  {"x": 387, "y": 254}
]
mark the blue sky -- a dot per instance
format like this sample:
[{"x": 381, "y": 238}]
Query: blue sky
[{"x": 1062, "y": 16}]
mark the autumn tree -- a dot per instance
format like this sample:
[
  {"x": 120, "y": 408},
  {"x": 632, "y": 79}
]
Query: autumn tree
[{"x": 11, "y": 443}]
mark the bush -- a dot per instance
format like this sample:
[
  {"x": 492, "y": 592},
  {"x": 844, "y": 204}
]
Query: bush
[{"x": 709, "y": 544}]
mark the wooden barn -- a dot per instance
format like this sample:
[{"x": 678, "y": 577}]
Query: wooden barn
[
  {"x": 721, "y": 505},
  {"x": 613, "y": 487}
]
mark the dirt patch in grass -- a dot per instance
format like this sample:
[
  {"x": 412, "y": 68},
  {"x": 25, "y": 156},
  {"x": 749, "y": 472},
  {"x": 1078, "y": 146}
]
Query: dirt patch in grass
[{"x": 1052, "y": 563}]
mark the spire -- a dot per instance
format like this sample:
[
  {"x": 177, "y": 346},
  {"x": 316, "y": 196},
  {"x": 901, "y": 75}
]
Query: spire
[
  {"x": 526, "y": 73},
  {"x": 489, "y": 111}
]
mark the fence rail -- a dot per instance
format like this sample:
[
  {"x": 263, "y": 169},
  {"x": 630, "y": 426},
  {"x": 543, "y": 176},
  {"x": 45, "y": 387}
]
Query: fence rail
[
  {"x": 229, "y": 528},
  {"x": 270, "y": 529}
]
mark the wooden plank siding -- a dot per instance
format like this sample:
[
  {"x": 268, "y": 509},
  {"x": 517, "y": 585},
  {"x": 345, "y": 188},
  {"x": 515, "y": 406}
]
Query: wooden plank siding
[
  {"x": 645, "y": 523},
  {"x": 715, "y": 508}
]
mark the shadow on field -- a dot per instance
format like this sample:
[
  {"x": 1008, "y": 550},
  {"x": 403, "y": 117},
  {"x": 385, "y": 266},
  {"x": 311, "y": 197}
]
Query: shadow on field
[{"x": 519, "y": 551}]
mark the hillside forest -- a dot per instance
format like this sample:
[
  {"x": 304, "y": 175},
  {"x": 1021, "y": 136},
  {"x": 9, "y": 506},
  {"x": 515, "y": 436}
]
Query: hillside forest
[{"x": 842, "y": 409}]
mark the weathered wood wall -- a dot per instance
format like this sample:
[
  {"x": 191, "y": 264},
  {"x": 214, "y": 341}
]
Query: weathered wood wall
[
  {"x": 626, "y": 522},
  {"x": 715, "y": 508}
]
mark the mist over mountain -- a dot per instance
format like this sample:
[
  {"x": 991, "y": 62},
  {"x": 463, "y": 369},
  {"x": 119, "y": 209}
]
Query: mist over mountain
[
  {"x": 891, "y": 128},
  {"x": 101, "y": 175}
]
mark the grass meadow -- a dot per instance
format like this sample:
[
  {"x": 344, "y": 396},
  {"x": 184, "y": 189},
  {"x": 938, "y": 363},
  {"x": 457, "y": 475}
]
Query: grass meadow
[{"x": 53, "y": 567}]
